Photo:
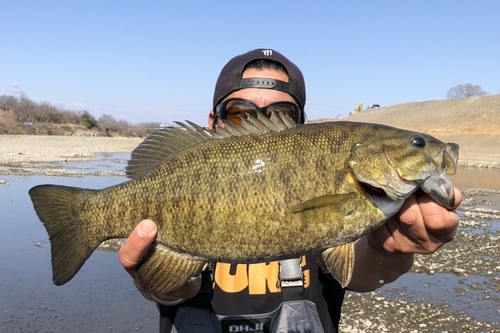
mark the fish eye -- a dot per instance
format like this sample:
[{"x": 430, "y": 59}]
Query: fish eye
[{"x": 418, "y": 141}]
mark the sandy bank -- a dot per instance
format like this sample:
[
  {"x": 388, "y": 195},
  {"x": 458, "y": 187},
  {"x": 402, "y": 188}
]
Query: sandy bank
[{"x": 30, "y": 154}]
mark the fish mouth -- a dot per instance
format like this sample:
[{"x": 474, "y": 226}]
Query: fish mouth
[
  {"x": 388, "y": 205},
  {"x": 372, "y": 191},
  {"x": 441, "y": 190}
]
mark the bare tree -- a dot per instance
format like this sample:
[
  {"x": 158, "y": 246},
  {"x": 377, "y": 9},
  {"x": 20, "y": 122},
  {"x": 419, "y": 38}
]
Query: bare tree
[
  {"x": 18, "y": 112},
  {"x": 70, "y": 117},
  {"x": 24, "y": 109},
  {"x": 7, "y": 103},
  {"x": 107, "y": 122},
  {"x": 464, "y": 91}
]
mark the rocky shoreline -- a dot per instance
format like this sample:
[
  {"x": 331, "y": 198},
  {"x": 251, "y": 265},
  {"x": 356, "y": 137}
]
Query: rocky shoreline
[{"x": 456, "y": 289}]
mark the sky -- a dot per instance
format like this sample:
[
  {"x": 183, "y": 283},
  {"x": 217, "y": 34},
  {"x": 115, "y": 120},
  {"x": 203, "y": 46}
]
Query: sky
[{"x": 157, "y": 61}]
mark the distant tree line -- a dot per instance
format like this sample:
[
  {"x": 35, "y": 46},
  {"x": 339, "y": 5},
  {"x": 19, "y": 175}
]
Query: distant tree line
[
  {"x": 464, "y": 91},
  {"x": 22, "y": 115}
]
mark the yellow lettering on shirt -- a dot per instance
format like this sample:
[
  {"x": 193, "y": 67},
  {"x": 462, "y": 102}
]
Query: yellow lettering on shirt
[
  {"x": 231, "y": 283},
  {"x": 260, "y": 278}
]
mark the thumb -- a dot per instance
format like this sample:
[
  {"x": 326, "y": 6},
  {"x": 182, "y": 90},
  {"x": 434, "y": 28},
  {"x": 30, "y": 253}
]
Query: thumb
[{"x": 137, "y": 244}]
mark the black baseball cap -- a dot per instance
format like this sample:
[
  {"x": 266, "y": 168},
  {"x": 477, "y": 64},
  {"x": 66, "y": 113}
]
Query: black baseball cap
[{"x": 230, "y": 77}]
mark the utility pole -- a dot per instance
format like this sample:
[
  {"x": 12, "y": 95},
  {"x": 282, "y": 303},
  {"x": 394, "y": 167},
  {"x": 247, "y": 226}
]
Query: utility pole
[{"x": 16, "y": 91}]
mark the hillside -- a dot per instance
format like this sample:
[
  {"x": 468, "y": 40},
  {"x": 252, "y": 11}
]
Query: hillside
[
  {"x": 473, "y": 123},
  {"x": 452, "y": 116}
]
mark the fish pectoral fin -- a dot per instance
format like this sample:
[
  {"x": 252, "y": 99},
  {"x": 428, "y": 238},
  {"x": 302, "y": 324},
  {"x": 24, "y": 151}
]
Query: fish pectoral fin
[
  {"x": 335, "y": 201},
  {"x": 163, "y": 270},
  {"x": 339, "y": 261},
  {"x": 318, "y": 256}
]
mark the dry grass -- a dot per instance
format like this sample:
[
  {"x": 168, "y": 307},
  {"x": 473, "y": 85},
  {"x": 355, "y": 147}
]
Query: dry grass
[
  {"x": 474, "y": 115},
  {"x": 473, "y": 123}
]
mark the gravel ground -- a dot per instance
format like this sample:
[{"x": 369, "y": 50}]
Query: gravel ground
[{"x": 462, "y": 281}]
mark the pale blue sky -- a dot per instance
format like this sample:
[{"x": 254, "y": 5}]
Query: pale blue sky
[{"x": 159, "y": 60}]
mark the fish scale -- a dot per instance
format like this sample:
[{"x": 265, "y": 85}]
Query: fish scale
[{"x": 244, "y": 194}]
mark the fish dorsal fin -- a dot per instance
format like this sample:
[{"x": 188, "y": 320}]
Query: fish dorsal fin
[
  {"x": 257, "y": 125},
  {"x": 277, "y": 122},
  {"x": 170, "y": 140},
  {"x": 163, "y": 143}
]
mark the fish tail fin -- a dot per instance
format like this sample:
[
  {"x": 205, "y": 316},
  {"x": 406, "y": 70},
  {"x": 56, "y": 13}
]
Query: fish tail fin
[
  {"x": 70, "y": 245},
  {"x": 339, "y": 261}
]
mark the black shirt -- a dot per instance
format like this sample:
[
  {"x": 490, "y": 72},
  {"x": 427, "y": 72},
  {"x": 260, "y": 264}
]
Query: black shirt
[{"x": 241, "y": 289}]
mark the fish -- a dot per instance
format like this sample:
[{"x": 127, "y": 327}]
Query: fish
[{"x": 263, "y": 191}]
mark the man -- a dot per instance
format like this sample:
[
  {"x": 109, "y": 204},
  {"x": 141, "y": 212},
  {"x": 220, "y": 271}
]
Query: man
[{"x": 263, "y": 81}]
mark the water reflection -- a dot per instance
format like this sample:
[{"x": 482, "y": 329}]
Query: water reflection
[
  {"x": 477, "y": 178},
  {"x": 104, "y": 163},
  {"x": 101, "y": 297},
  {"x": 448, "y": 289}
]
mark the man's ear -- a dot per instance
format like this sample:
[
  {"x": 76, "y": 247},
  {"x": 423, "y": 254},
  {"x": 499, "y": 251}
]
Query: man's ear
[
  {"x": 211, "y": 120},
  {"x": 214, "y": 120}
]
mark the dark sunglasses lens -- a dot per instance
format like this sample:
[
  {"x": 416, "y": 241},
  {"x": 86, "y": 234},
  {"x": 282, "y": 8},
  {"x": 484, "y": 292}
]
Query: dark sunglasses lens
[
  {"x": 287, "y": 108},
  {"x": 236, "y": 108}
]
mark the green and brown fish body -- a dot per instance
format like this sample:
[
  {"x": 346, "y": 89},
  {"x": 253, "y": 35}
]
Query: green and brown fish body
[{"x": 263, "y": 192}]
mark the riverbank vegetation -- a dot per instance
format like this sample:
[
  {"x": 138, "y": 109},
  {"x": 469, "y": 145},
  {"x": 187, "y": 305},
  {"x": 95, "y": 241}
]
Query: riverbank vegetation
[{"x": 24, "y": 116}]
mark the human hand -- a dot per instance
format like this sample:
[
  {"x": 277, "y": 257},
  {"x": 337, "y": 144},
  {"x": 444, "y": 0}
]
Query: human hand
[
  {"x": 135, "y": 248},
  {"x": 421, "y": 226}
]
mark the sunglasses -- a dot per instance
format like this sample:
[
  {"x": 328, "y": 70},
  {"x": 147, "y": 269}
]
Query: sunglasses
[{"x": 231, "y": 109}]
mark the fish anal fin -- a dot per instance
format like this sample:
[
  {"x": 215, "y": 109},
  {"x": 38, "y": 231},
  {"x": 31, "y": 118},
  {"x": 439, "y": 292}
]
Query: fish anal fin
[
  {"x": 339, "y": 261},
  {"x": 336, "y": 201},
  {"x": 163, "y": 270}
]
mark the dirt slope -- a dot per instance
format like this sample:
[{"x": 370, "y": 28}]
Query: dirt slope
[{"x": 473, "y": 123}]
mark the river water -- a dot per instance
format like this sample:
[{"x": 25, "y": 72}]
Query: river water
[{"x": 102, "y": 297}]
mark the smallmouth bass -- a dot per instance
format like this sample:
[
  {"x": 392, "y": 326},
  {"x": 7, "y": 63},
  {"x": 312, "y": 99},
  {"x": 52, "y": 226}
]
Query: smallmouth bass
[{"x": 264, "y": 191}]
